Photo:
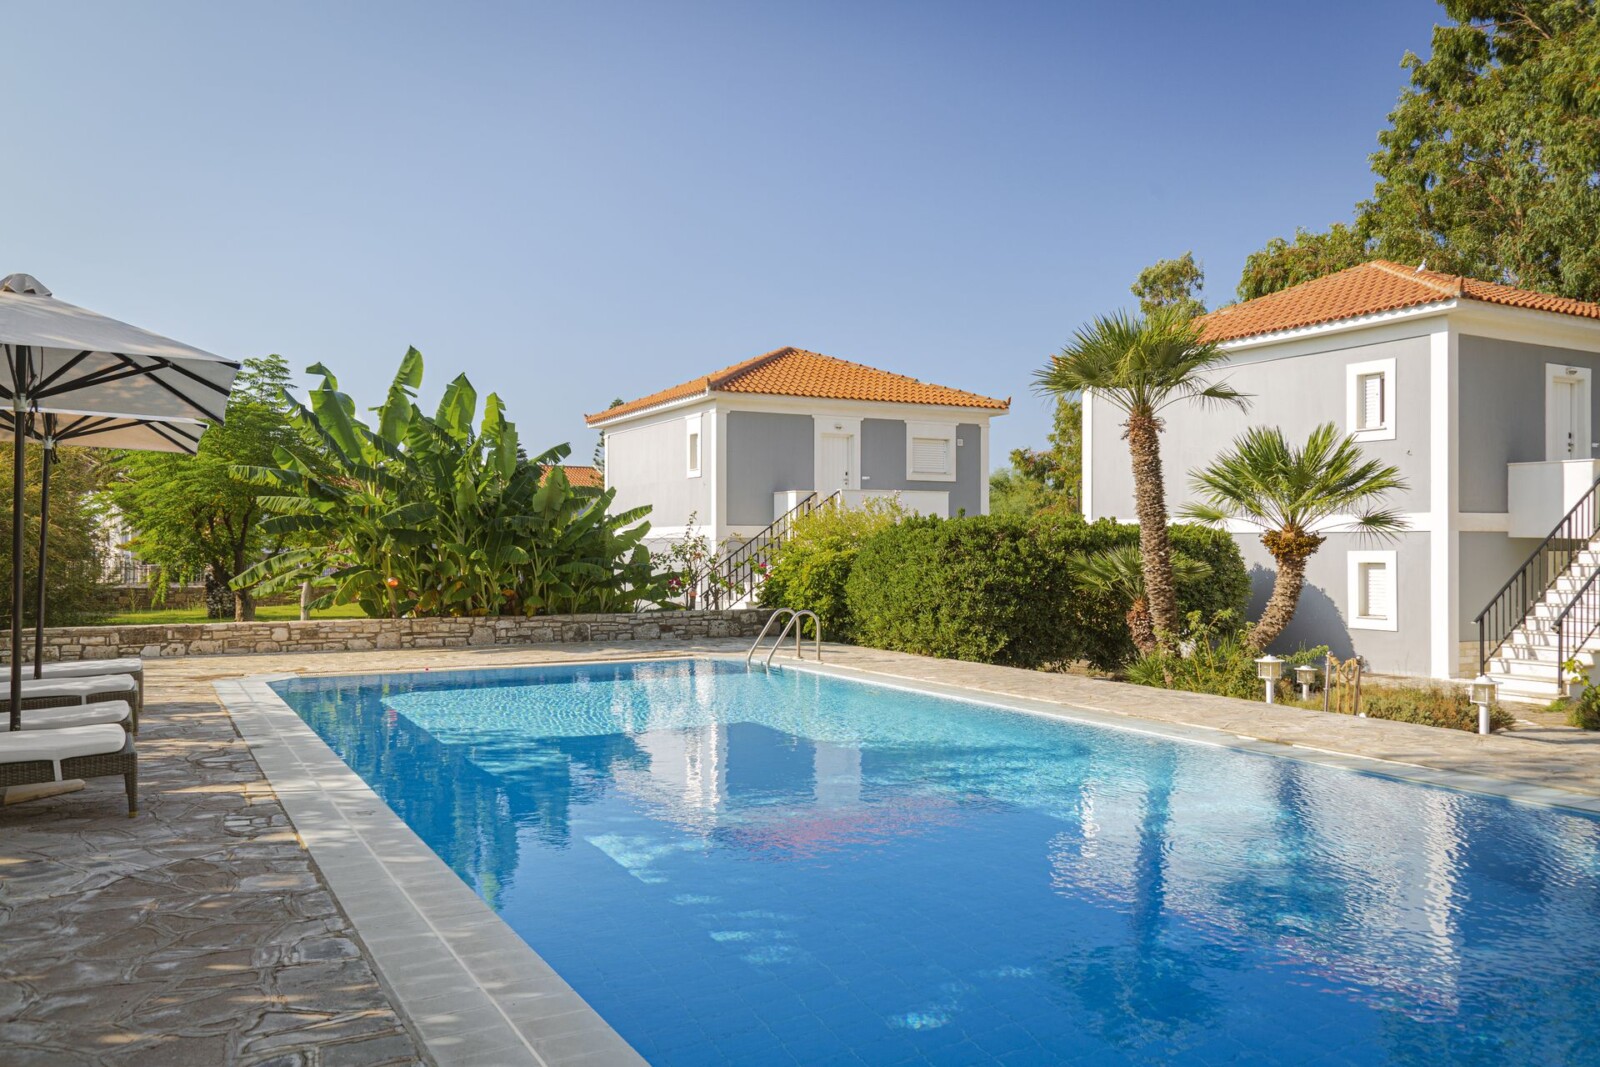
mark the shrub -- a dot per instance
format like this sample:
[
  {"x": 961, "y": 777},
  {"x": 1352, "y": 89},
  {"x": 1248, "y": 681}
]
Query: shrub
[
  {"x": 998, "y": 589},
  {"x": 810, "y": 568},
  {"x": 1582, "y": 712},
  {"x": 1215, "y": 660},
  {"x": 1428, "y": 705}
]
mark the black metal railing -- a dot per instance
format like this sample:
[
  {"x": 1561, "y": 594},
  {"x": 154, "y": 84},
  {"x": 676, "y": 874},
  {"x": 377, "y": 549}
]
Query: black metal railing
[
  {"x": 1577, "y": 623},
  {"x": 736, "y": 575},
  {"x": 1508, "y": 608}
]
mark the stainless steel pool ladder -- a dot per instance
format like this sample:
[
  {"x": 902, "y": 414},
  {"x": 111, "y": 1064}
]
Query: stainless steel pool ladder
[{"x": 794, "y": 618}]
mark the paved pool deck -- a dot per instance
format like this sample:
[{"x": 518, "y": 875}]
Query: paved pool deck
[{"x": 206, "y": 932}]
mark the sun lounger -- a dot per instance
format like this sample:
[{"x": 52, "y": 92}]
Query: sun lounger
[
  {"x": 29, "y": 757},
  {"x": 115, "y": 712},
  {"x": 66, "y": 692},
  {"x": 86, "y": 668}
]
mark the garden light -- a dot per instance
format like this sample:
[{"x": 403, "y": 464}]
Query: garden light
[
  {"x": 1481, "y": 691},
  {"x": 1269, "y": 669},
  {"x": 1306, "y": 675}
]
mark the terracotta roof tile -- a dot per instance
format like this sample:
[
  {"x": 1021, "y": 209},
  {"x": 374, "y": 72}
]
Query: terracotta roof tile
[
  {"x": 584, "y": 477},
  {"x": 796, "y": 372},
  {"x": 1370, "y": 289}
]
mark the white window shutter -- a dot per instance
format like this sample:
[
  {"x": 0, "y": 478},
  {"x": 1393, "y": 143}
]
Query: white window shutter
[
  {"x": 930, "y": 455},
  {"x": 1376, "y": 591},
  {"x": 1372, "y": 401}
]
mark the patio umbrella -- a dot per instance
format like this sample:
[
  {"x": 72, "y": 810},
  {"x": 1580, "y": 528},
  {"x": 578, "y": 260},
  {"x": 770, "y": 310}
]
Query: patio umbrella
[
  {"x": 76, "y": 364},
  {"x": 54, "y": 429}
]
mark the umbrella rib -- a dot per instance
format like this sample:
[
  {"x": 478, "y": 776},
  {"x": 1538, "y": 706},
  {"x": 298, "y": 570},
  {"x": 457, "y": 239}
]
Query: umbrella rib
[{"x": 63, "y": 369}]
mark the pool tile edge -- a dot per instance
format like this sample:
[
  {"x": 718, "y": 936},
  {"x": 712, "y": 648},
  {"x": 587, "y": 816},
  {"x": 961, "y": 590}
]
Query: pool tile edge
[{"x": 433, "y": 974}]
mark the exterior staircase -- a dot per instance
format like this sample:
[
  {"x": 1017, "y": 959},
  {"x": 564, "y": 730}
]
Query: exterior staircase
[
  {"x": 1548, "y": 612},
  {"x": 734, "y": 580}
]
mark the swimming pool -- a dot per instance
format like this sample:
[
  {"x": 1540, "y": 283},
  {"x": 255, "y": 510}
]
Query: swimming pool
[{"x": 747, "y": 868}]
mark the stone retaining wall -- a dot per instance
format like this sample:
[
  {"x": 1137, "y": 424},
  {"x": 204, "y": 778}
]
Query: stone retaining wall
[{"x": 364, "y": 635}]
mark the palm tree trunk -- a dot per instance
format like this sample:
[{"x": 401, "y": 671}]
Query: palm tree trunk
[
  {"x": 1290, "y": 549},
  {"x": 1144, "y": 634},
  {"x": 1155, "y": 543}
]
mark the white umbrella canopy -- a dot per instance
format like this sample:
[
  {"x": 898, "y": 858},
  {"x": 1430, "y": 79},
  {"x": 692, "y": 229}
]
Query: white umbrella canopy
[
  {"x": 73, "y": 376},
  {"x": 65, "y": 358},
  {"x": 89, "y": 430}
]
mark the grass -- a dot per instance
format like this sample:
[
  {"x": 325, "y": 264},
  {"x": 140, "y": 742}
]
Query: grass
[{"x": 264, "y": 613}]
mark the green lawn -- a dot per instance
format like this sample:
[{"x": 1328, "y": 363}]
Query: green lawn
[{"x": 265, "y": 613}]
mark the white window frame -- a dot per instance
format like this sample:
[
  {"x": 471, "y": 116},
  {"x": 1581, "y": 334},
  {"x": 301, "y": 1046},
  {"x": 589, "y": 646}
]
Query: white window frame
[
  {"x": 944, "y": 430},
  {"x": 1354, "y": 561},
  {"x": 1353, "y": 373},
  {"x": 694, "y": 445}
]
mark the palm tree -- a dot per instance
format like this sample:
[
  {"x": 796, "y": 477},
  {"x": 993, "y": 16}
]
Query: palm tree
[
  {"x": 1119, "y": 572},
  {"x": 1142, "y": 366},
  {"x": 1295, "y": 496}
]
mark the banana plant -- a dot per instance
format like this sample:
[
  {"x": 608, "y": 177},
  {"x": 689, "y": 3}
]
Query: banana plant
[{"x": 435, "y": 516}]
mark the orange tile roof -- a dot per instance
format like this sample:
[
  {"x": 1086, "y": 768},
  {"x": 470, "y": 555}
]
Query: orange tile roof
[
  {"x": 796, "y": 372},
  {"x": 1370, "y": 289},
  {"x": 583, "y": 477}
]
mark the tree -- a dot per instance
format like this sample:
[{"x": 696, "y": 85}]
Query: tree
[
  {"x": 73, "y": 566},
  {"x": 1310, "y": 255},
  {"x": 192, "y": 516},
  {"x": 1490, "y": 167},
  {"x": 440, "y": 515},
  {"x": 1295, "y": 496},
  {"x": 1119, "y": 572},
  {"x": 1041, "y": 478},
  {"x": 1172, "y": 283},
  {"x": 1142, "y": 366}
]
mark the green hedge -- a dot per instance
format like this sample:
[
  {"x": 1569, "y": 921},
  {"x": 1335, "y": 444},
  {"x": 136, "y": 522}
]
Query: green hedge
[
  {"x": 997, "y": 590},
  {"x": 810, "y": 568}
]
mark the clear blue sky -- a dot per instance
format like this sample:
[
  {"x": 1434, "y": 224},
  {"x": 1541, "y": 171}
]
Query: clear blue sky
[{"x": 576, "y": 201}]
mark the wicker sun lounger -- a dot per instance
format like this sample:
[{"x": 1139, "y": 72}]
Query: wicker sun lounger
[
  {"x": 86, "y": 668},
  {"x": 30, "y": 757},
  {"x": 115, "y": 712},
  {"x": 67, "y": 692}
]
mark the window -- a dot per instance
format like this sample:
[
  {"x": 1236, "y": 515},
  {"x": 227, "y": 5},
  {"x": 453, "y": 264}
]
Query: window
[
  {"x": 1373, "y": 591},
  {"x": 693, "y": 423},
  {"x": 1370, "y": 400},
  {"x": 931, "y": 451}
]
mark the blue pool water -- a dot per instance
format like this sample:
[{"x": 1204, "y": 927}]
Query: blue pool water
[{"x": 748, "y": 868}]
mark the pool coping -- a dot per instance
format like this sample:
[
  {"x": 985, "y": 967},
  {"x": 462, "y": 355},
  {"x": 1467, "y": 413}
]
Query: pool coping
[{"x": 475, "y": 992}]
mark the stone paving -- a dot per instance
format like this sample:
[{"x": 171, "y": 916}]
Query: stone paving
[
  {"x": 201, "y": 932},
  {"x": 197, "y": 933}
]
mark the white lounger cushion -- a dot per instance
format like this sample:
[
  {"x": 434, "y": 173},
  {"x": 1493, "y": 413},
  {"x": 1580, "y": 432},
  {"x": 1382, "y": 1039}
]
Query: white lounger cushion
[
  {"x": 82, "y": 688},
  {"x": 81, "y": 668},
  {"x": 112, "y": 711},
  {"x": 20, "y": 746}
]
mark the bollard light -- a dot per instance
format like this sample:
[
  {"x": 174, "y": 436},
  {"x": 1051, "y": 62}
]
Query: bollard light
[
  {"x": 1481, "y": 691},
  {"x": 1306, "y": 675},
  {"x": 1269, "y": 669}
]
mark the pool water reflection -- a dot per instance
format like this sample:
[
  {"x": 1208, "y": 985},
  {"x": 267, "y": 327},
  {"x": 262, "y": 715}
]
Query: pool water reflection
[{"x": 747, "y": 868}]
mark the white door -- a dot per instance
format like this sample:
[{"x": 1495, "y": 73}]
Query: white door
[
  {"x": 833, "y": 471},
  {"x": 1566, "y": 415}
]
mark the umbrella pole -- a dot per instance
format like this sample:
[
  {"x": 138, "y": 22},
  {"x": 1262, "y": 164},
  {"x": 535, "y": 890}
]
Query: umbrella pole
[
  {"x": 44, "y": 543},
  {"x": 19, "y": 412}
]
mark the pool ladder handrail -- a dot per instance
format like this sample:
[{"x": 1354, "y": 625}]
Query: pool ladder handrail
[{"x": 799, "y": 635}]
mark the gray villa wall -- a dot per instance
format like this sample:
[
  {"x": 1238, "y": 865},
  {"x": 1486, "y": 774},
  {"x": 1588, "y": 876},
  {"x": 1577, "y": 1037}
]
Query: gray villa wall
[
  {"x": 770, "y": 453},
  {"x": 883, "y": 463},
  {"x": 649, "y": 466},
  {"x": 767, "y": 453},
  {"x": 1319, "y": 619},
  {"x": 1295, "y": 394},
  {"x": 1502, "y": 401}
]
